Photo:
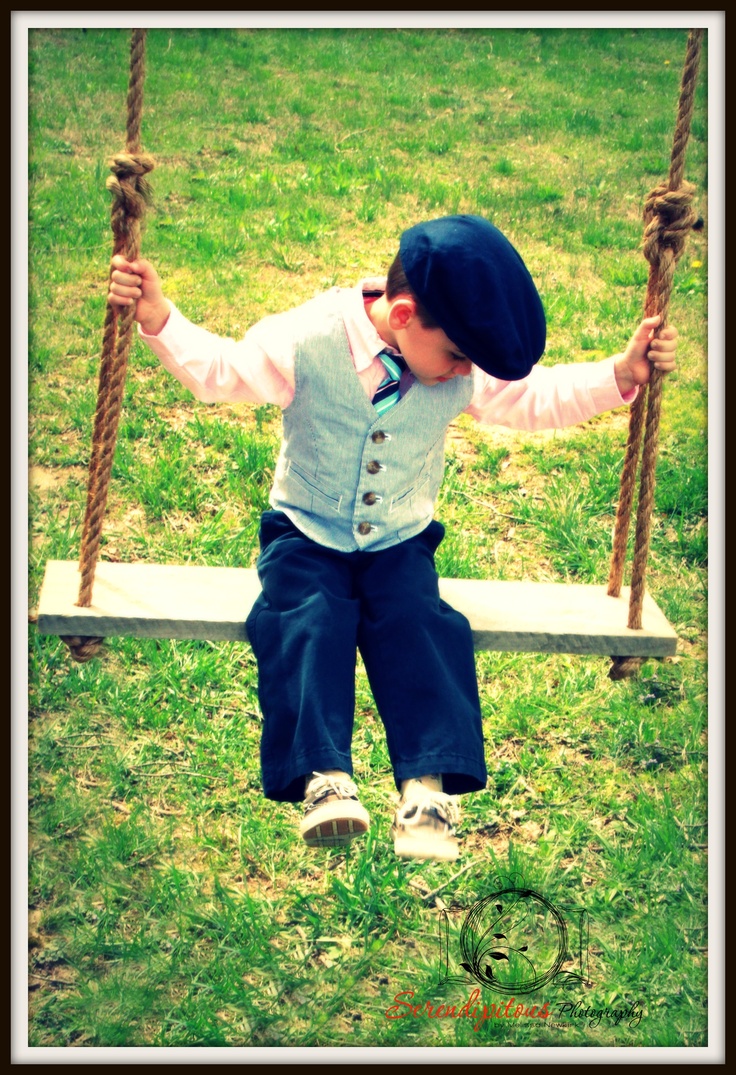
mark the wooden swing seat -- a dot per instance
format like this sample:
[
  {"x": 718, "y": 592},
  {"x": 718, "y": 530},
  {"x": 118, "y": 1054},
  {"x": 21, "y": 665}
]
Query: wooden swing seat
[{"x": 211, "y": 603}]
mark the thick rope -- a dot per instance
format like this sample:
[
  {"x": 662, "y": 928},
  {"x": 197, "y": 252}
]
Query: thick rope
[
  {"x": 668, "y": 217},
  {"x": 129, "y": 189}
]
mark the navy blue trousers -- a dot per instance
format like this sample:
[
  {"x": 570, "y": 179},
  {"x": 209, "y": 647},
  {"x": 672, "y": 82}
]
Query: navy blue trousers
[{"x": 317, "y": 608}]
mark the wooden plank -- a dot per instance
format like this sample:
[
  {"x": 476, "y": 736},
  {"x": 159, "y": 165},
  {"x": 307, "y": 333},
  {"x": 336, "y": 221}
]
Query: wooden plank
[
  {"x": 174, "y": 601},
  {"x": 557, "y": 617},
  {"x": 149, "y": 601},
  {"x": 186, "y": 601}
]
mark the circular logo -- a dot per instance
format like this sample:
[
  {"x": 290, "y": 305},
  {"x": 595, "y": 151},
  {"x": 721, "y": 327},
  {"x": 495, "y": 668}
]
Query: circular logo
[{"x": 514, "y": 941}]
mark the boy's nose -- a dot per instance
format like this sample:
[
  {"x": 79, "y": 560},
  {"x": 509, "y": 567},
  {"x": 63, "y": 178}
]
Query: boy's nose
[{"x": 459, "y": 369}]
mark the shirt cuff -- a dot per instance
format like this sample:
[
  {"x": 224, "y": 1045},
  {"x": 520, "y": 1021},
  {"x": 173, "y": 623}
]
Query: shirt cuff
[
  {"x": 606, "y": 394},
  {"x": 157, "y": 335}
]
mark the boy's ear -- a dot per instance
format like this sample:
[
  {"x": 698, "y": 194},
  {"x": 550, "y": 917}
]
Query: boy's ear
[{"x": 402, "y": 311}]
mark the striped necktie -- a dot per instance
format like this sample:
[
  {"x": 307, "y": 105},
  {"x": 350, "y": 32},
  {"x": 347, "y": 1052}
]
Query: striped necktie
[{"x": 387, "y": 393}]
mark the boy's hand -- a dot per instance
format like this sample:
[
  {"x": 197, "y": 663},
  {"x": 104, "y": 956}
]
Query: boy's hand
[
  {"x": 645, "y": 353},
  {"x": 138, "y": 282}
]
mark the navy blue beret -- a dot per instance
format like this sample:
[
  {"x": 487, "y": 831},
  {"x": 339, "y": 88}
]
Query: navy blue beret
[{"x": 477, "y": 288}]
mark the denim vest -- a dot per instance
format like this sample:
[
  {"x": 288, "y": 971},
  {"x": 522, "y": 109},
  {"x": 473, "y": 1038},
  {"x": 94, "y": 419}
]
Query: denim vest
[{"x": 347, "y": 477}]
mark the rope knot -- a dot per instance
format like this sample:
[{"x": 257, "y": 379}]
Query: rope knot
[
  {"x": 130, "y": 191},
  {"x": 668, "y": 217},
  {"x": 625, "y": 667},
  {"x": 125, "y": 165},
  {"x": 82, "y": 649}
]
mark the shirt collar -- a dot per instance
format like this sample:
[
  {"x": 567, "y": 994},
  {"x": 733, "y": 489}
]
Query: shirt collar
[{"x": 365, "y": 342}]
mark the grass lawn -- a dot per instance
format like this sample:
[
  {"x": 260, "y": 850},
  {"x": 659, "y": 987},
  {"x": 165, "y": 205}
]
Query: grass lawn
[{"x": 170, "y": 903}]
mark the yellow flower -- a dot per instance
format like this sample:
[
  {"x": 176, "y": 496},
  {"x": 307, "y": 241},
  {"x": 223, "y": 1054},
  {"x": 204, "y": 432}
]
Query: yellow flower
[{"x": 697, "y": 264}]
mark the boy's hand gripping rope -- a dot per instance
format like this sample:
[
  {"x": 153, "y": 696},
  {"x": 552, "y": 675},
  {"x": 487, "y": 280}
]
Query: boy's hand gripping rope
[
  {"x": 129, "y": 189},
  {"x": 668, "y": 218}
]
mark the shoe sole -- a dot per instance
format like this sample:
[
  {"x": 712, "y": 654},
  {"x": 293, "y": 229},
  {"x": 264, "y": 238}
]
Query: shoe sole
[{"x": 337, "y": 824}]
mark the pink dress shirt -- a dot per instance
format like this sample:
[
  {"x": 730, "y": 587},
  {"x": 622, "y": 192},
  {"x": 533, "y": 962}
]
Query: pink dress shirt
[{"x": 260, "y": 369}]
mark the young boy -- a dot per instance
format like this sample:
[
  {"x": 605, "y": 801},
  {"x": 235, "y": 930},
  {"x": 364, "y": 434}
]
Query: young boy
[{"x": 369, "y": 378}]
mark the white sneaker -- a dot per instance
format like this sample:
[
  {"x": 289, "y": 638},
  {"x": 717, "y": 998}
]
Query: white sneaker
[
  {"x": 424, "y": 827},
  {"x": 333, "y": 816}
]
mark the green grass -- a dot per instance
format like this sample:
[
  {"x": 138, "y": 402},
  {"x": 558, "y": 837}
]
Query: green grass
[{"x": 171, "y": 905}]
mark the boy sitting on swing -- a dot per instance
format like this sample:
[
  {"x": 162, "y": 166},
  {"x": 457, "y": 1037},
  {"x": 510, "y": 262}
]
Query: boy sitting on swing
[{"x": 369, "y": 379}]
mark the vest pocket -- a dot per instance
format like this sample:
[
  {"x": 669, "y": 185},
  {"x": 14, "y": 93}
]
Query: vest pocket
[
  {"x": 406, "y": 499},
  {"x": 300, "y": 486}
]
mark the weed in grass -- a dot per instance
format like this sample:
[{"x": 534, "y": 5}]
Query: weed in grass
[
  {"x": 489, "y": 460},
  {"x": 439, "y": 198},
  {"x": 504, "y": 166},
  {"x": 367, "y": 211},
  {"x": 682, "y": 480},
  {"x": 573, "y": 542}
]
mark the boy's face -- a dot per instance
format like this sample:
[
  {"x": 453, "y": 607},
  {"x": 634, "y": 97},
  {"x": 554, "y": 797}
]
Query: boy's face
[{"x": 430, "y": 355}]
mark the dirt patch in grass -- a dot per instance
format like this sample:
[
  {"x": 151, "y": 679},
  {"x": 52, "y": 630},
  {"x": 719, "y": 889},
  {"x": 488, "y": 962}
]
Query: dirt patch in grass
[{"x": 42, "y": 479}]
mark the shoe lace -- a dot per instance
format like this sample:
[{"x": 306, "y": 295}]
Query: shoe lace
[
  {"x": 322, "y": 784},
  {"x": 443, "y": 805}
]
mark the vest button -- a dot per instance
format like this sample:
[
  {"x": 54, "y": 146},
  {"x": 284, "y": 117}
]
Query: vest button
[
  {"x": 374, "y": 467},
  {"x": 379, "y": 436},
  {"x": 364, "y": 528},
  {"x": 370, "y": 498}
]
